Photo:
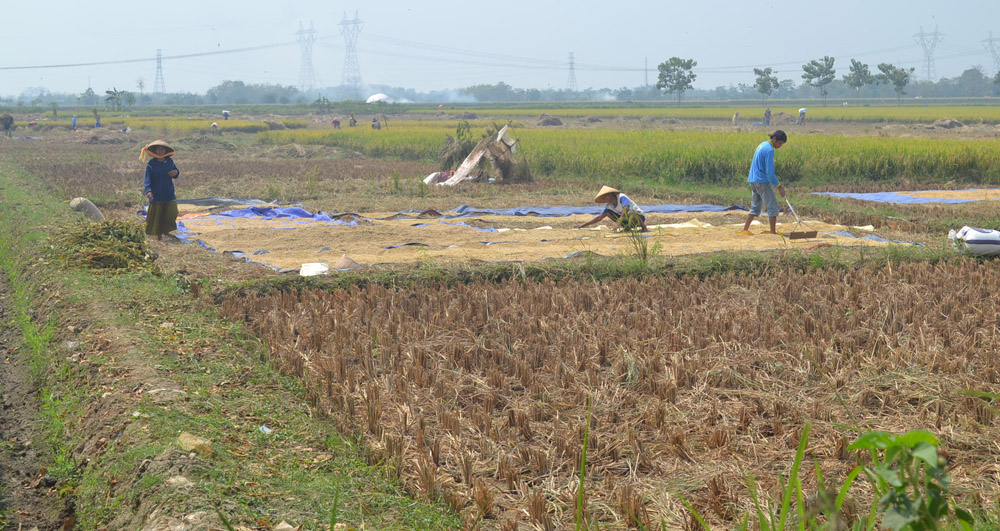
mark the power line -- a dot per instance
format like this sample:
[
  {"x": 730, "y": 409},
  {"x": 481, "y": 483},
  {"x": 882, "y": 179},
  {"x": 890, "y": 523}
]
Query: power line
[{"x": 147, "y": 59}]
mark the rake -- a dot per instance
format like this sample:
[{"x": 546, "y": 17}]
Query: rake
[{"x": 797, "y": 234}]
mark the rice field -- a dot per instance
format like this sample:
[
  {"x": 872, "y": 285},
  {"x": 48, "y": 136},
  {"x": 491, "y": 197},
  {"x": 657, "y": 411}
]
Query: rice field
[
  {"x": 988, "y": 113},
  {"x": 673, "y": 156}
]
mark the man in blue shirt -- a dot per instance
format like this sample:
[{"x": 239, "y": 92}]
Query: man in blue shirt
[{"x": 763, "y": 181}]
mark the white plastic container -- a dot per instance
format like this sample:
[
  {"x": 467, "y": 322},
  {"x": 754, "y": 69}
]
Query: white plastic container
[{"x": 313, "y": 269}]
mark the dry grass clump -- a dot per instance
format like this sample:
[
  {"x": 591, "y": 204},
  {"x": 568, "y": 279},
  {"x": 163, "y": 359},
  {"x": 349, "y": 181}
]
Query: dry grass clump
[
  {"x": 476, "y": 394},
  {"x": 110, "y": 246}
]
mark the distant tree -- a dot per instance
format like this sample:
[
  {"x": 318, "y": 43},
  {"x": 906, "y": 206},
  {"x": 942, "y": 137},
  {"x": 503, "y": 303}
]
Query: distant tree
[
  {"x": 786, "y": 87},
  {"x": 819, "y": 73},
  {"x": 499, "y": 92},
  {"x": 996, "y": 81},
  {"x": 676, "y": 76},
  {"x": 240, "y": 92},
  {"x": 55, "y": 110},
  {"x": 973, "y": 82},
  {"x": 128, "y": 99},
  {"x": 322, "y": 103},
  {"x": 624, "y": 94},
  {"x": 766, "y": 83},
  {"x": 89, "y": 97},
  {"x": 114, "y": 99},
  {"x": 859, "y": 76},
  {"x": 895, "y": 76},
  {"x": 140, "y": 84}
]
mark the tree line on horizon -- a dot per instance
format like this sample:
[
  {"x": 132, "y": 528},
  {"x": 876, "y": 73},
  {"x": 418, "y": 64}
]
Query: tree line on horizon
[{"x": 675, "y": 81}]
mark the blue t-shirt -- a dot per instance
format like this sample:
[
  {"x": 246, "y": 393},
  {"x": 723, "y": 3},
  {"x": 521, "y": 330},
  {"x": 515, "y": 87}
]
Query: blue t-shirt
[
  {"x": 762, "y": 167},
  {"x": 157, "y": 180}
]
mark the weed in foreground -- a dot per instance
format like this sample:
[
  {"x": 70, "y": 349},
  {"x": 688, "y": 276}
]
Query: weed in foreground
[{"x": 910, "y": 490}]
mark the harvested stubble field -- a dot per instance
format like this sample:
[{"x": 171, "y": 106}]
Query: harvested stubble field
[{"x": 478, "y": 393}]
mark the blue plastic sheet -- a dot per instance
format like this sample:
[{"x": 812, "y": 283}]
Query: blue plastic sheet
[
  {"x": 897, "y": 197},
  {"x": 273, "y": 213},
  {"x": 299, "y": 215}
]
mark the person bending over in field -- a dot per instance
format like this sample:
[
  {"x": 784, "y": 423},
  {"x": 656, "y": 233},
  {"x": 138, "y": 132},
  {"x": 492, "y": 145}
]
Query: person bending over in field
[
  {"x": 620, "y": 209},
  {"x": 763, "y": 181},
  {"x": 161, "y": 216}
]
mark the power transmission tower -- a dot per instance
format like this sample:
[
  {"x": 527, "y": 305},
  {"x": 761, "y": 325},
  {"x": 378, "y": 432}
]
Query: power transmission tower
[
  {"x": 159, "y": 87},
  {"x": 307, "y": 76},
  {"x": 928, "y": 41},
  {"x": 571, "y": 82},
  {"x": 991, "y": 45},
  {"x": 350, "y": 29}
]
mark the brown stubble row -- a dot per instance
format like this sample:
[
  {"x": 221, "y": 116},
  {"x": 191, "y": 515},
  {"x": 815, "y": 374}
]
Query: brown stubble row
[{"x": 476, "y": 394}]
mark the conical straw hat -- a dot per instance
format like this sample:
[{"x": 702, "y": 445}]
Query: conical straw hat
[
  {"x": 605, "y": 190},
  {"x": 160, "y": 143}
]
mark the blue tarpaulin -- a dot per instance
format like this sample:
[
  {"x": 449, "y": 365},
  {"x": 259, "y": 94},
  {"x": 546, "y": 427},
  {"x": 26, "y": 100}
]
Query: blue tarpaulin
[
  {"x": 273, "y": 213},
  {"x": 899, "y": 197}
]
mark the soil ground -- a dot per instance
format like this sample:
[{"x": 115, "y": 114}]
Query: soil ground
[{"x": 29, "y": 496}]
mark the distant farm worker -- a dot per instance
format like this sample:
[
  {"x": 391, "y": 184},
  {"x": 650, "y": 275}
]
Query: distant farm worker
[
  {"x": 763, "y": 181},
  {"x": 802, "y": 116},
  {"x": 72, "y": 122},
  {"x": 736, "y": 117},
  {"x": 336, "y": 122},
  {"x": 375, "y": 124},
  {"x": 352, "y": 122},
  {"x": 161, "y": 216},
  {"x": 225, "y": 115},
  {"x": 767, "y": 117},
  {"x": 620, "y": 209},
  {"x": 215, "y": 128}
]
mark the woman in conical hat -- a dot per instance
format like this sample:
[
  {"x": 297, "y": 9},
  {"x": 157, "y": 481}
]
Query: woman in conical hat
[
  {"x": 161, "y": 216},
  {"x": 620, "y": 209}
]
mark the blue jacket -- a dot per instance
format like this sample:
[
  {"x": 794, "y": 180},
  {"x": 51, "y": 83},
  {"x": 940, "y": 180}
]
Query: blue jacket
[
  {"x": 762, "y": 167},
  {"x": 157, "y": 180}
]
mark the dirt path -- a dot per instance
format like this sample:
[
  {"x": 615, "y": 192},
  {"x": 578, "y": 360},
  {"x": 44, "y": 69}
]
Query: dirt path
[{"x": 29, "y": 497}]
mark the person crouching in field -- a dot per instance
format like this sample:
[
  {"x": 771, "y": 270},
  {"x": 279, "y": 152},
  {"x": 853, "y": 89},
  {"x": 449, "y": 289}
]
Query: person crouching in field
[
  {"x": 763, "y": 181},
  {"x": 620, "y": 209},
  {"x": 161, "y": 216}
]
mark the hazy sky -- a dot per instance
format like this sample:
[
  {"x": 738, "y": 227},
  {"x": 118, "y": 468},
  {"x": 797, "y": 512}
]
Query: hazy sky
[{"x": 441, "y": 44}]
